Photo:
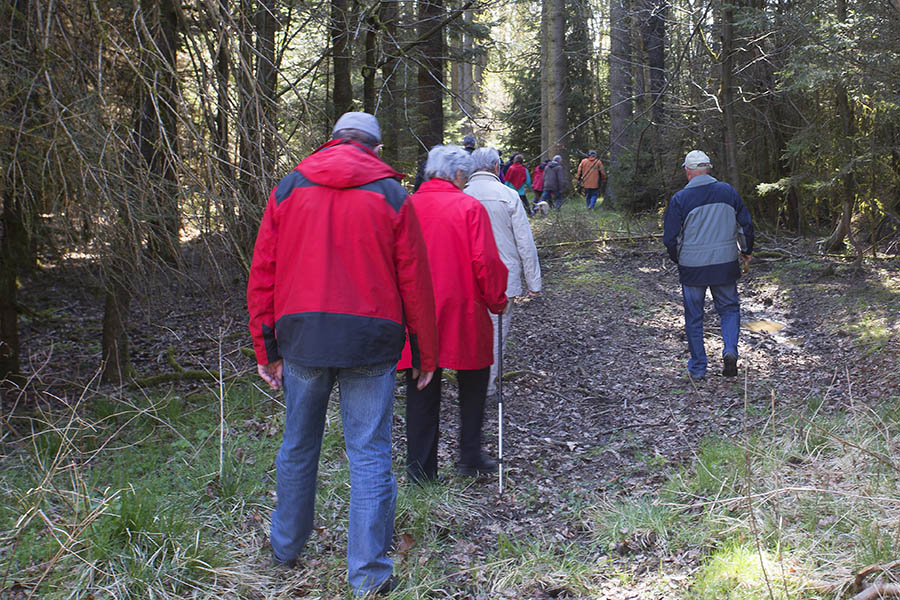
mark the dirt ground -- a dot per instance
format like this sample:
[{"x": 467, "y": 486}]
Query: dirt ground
[{"x": 594, "y": 387}]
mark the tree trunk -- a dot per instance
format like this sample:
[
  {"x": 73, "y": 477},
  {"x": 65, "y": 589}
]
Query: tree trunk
[
  {"x": 726, "y": 99},
  {"x": 620, "y": 172},
  {"x": 558, "y": 101},
  {"x": 431, "y": 74},
  {"x": 157, "y": 132},
  {"x": 116, "y": 362},
  {"x": 654, "y": 35},
  {"x": 545, "y": 79},
  {"x": 14, "y": 241},
  {"x": 368, "y": 70},
  {"x": 390, "y": 96},
  {"x": 342, "y": 95}
]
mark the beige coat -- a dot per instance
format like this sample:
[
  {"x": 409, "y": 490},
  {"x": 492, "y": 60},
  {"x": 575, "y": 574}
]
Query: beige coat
[{"x": 512, "y": 232}]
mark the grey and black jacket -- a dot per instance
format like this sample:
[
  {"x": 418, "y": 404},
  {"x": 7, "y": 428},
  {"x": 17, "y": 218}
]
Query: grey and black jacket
[{"x": 706, "y": 226}]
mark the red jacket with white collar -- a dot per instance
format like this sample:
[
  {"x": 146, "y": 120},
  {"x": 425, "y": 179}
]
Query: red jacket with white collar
[
  {"x": 468, "y": 275},
  {"x": 340, "y": 268}
]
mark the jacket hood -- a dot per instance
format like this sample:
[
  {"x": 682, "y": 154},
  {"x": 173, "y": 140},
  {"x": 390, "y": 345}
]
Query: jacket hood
[{"x": 345, "y": 164}]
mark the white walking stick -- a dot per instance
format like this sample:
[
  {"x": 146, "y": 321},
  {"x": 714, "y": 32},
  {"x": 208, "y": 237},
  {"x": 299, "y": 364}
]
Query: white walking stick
[{"x": 500, "y": 398}]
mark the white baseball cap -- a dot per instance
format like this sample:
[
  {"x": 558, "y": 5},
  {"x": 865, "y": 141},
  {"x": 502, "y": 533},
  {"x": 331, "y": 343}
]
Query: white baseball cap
[{"x": 696, "y": 159}]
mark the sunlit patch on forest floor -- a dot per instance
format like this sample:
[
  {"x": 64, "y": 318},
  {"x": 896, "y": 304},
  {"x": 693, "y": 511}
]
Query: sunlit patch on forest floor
[{"x": 623, "y": 479}]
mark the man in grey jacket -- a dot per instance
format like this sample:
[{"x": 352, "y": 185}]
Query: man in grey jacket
[
  {"x": 554, "y": 183},
  {"x": 708, "y": 231},
  {"x": 512, "y": 233}
]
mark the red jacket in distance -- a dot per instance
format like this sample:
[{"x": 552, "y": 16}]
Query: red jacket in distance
[
  {"x": 537, "y": 178},
  {"x": 468, "y": 276},
  {"x": 516, "y": 174},
  {"x": 339, "y": 262}
]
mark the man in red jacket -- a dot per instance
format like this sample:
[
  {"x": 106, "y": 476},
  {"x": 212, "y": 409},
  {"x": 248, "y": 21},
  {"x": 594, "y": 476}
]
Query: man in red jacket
[
  {"x": 339, "y": 275},
  {"x": 469, "y": 280}
]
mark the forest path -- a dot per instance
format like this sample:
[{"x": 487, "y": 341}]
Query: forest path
[{"x": 598, "y": 410}]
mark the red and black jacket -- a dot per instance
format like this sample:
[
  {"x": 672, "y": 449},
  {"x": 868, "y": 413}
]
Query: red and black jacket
[{"x": 340, "y": 268}]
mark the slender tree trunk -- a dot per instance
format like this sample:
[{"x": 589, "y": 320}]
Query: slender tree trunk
[
  {"x": 14, "y": 243},
  {"x": 116, "y": 362},
  {"x": 157, "y": 126},
  {"x": 846, "y": 190},
  {"x": 390, "y": 96},
  {"x": 368, "y": 70},
  {"x": 654, "y": 34},
  {"x": 558, "y": 104},
  {"x": 620, "y": 172},
  {"x": 545, "y": 79},
  {"x": 431, "y": 74},
  {"x": 727, "y": 100},
  {"x": 219, "y": 12},
  {"x": 340, "y": 54}
]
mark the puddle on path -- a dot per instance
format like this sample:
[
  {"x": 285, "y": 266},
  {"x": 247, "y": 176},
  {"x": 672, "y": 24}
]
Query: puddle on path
[{"x": 763, "y": 325}]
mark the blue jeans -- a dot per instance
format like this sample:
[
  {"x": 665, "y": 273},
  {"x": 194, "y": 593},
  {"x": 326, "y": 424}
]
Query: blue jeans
[
  {"x": 590, "y": 196},
  {"x": 728, "y": 306},
  {"x": 557, "y": 199},
  {"x": 367, "y": 401}
]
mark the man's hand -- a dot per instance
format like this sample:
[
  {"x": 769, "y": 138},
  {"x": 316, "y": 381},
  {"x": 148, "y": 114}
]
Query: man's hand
[
  {"x": 271, "y": 373},
  {"x": 745, "y": 262},
  {"x": 423, "y": 378}
]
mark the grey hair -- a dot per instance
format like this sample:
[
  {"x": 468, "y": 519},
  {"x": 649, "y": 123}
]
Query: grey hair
[
  {"x": 445, "y": 161},
  {"x": 485, "y": 159},
  {"x": 357, "y": 135},
  {"x": 557, "y": 159}
]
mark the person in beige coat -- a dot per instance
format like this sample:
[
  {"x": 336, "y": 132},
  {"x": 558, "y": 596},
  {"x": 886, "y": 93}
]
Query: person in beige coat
[{"x": 512, "y": 232}]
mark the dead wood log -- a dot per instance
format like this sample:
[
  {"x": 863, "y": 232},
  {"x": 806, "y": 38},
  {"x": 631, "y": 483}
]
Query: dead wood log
[
  {"x": 628, "y": 238},
  {"x": 861, "y": 575},
  {"x": 879, "y": 590}
]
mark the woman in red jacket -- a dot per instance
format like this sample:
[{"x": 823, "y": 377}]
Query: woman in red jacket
[{"x": 469, "y": 280}]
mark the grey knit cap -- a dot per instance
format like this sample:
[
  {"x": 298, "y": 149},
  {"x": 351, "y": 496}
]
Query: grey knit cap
[{"x": 359, "y": 120}]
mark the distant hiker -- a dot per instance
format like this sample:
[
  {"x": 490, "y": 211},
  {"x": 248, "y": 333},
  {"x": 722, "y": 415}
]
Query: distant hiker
[
  {"x": 512, "y": 233},
  {"x": 502, "y": 168},
  {"x": 469, "y": 143},
  {"x": 708, "y": 231},
  {"x": 554, "y": 183},
  {"x": 591, "y": 176},
  {"x": 517, "y": 177},
  {"x": 311, "y": 328},
  {"x": 469, "y": 281},
  {"x": 537, "y": 182}
]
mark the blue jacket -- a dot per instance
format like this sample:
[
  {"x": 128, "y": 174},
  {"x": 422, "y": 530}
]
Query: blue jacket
[{"x": 706, "y": 225}]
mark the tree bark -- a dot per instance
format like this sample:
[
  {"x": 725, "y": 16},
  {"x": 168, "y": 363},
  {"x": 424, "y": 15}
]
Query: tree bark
[
  {"x": 14, "y": 241},
  {"x": 726, "y": 98},
  {"x": 846, "y": 189},
  {"x": 390, "y": 95},
  {"x": 431, "y": 74},
  {"x": 545, "y": 79},
  {"x": 558, "y": 101},
  {"x": 368, "y": 70},
  {"x": 156, "y": 129},
  {"x": 342, "y": 95},
  {"x": 620, "y": 172}
]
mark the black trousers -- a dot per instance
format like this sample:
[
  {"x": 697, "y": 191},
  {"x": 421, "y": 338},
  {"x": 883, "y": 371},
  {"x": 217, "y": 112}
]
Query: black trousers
[{"x": 423, "y": 409}]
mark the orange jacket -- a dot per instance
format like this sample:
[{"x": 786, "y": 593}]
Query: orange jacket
[{"x": 590, "y": 172}]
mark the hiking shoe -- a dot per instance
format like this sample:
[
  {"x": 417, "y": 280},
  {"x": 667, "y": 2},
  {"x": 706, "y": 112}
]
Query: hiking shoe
[
  {"x": 283, "y": 565},
  {"x": 696, "y": 378},
  {"x": 388, "y": 586},
  {"x": 484, "y": 466},
  {"x": 730, "y": 361}
]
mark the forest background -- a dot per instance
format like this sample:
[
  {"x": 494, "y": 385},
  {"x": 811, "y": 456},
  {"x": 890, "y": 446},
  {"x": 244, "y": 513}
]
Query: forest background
[{"x": 140, "y": 141}]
